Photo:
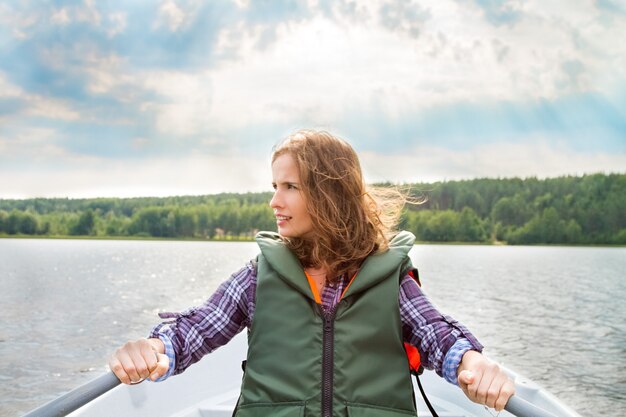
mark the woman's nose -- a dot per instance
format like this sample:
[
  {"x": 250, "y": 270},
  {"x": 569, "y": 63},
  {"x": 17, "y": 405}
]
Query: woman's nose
[{"x": 275, "y": 201}]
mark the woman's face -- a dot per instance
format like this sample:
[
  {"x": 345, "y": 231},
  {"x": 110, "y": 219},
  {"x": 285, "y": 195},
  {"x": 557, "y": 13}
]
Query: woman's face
[{"x": 288, "y": 203}]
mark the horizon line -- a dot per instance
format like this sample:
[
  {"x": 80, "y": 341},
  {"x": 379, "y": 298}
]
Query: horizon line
[{"x": 379, "y": 183}]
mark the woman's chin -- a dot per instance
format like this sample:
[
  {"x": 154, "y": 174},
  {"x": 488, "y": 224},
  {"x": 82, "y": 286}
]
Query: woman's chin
[
  {"x": 284, "y": 232},
  {"x": 288, "y": 233}
]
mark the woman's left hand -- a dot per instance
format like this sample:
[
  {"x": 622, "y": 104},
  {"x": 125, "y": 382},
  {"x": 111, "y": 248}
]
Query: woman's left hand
[{"x": 483, "y": 381}]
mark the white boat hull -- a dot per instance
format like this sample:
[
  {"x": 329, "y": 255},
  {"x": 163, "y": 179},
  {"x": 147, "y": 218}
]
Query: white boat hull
[{"x": 210, "y": 388}]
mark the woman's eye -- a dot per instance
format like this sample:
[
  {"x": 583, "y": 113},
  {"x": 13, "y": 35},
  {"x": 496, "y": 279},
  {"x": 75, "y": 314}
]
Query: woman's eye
[{"x": 291, "y": 187}]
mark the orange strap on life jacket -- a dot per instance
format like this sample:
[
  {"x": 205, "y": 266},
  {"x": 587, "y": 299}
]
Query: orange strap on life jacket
[
  {"x": 412, "y": 354},
  {"x": 415, "y": 275}
]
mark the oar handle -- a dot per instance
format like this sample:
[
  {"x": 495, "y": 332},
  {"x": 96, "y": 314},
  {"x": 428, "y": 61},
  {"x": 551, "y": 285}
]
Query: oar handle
[
  {"x": 77, "y": 397},
  {"x": 522, "y": 408}
]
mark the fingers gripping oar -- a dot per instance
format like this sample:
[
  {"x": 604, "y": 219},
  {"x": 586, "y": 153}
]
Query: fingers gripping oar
[
  {"x": 516, "y": 406},
  {"x": 77, "y": 397}
]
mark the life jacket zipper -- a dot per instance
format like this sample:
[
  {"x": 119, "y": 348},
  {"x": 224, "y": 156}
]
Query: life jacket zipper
[{"x": 328, "y": 342}]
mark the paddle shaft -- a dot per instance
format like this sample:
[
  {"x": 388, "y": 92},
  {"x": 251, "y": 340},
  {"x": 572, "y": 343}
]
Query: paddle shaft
[
  {"x": 76, "y": 398},
  {"x": 522, "y": 408},
  {"x": 80, "y": 396}
]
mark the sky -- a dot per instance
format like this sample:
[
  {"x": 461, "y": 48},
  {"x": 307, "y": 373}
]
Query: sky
[{"x": 177, "y": 97}]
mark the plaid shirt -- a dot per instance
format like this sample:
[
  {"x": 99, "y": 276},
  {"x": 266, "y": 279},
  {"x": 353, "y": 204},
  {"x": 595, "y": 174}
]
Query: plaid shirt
[{"x": 190, "y": 335}]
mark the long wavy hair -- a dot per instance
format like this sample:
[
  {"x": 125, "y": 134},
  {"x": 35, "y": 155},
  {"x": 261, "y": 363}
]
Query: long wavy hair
[{"x": 350, "y": 220}]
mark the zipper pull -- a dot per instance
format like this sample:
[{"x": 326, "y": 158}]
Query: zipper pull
[
  {"x": 329, "y": 318},
  {"x": 328, "y": 324}
]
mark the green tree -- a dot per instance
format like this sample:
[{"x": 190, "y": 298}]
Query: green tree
[
  {"x": 510, "y": 211},
  {"x": 206, "y": 221},
  {"x": 85, "y": 224},
  {"x": 620, "y": 237},
  {"x": 151, "y": 221},
  {"x": 470, "y": 227},
  {"x": 44, "y": 228},
  {"x": 184, "y": 222},
  {"x": 12, "y": 224},
  {"x": 417, "y": 222},
  {"x": 442, "y": 226},
  {"x": 115, "y": 225},
  {"x": 546, "y": 227},
  {"x": 3, "y": 220},
  {"x": 587, "y": 209},
  {"x": 573, "y": 232},
  {"x": 27, "y": 224},
  {"x": 471, "y": 199}
]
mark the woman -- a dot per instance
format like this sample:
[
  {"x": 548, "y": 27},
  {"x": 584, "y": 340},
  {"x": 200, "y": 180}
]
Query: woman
[{"x": 328, "y": 303}]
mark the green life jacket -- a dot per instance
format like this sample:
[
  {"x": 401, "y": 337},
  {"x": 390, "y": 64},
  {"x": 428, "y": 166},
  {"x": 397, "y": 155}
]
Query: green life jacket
[{"x": 348, "y": 362}]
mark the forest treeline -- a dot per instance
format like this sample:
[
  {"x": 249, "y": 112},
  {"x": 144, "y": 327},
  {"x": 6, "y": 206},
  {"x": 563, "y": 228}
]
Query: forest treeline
[{"x": 589, "y": 209}]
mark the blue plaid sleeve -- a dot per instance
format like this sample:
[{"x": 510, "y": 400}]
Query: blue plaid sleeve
[
  {"x": 169, "y": 351},
  {"x": 453, "y": 359}
]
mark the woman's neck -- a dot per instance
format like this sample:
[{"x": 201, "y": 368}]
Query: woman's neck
[
  {"x": 315, "y": 271},
  {"x": 318, "y": 276}
]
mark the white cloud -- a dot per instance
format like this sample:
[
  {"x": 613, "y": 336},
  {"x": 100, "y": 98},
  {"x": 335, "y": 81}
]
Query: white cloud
[
  {"x": 60, "y": 17},
  {"x": 536, "y": 158},
  {"x": 314, "y": 69},
  {"x": 7, "y": 89},
  {"x": 172, "y": 14},
  {"x": 21, "y": 24},
  {"x": 31, "y": 145},
  {"x": 36, "y": 105},
  {"x": 553, "y": 33},
  {"x": 118, "y": 23},
  {"x": 175, "y": 16},
  {"x": 88, "y": 13},
  {"x": 325, "y": 71},
  {"x": 50, "y": 108},
  {"x": 83, "y": 177},
  {"x": 105, "y": 73},
  {"x": 242, "y": 4},
  {"x": 185, "y": 101},
  {"x": 317, "y": 68}
]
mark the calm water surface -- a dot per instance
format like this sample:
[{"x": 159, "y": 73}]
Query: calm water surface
[{"x": 554, "y": 314}]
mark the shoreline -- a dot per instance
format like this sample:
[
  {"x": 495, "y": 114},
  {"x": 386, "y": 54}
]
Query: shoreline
[{"x": 251, "y": 239}]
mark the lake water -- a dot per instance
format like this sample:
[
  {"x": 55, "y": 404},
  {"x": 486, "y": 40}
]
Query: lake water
[{"x": 555, "y": 314}]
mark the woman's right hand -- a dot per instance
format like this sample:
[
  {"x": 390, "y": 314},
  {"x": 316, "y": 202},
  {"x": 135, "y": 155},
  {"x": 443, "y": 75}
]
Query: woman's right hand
[{"x": 139, "y": 359}]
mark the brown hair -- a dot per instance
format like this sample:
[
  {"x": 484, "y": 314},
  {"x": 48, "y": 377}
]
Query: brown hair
[{"x": 350, "y": 221}]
